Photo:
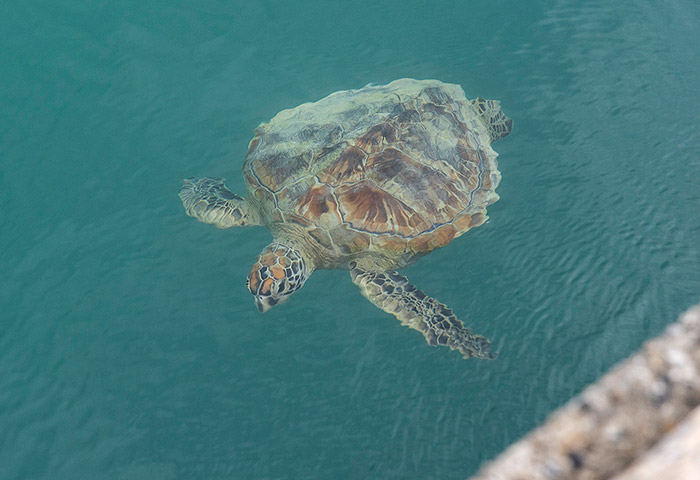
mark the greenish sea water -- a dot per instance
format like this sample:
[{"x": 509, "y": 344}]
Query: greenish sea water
[{"x": 129, "y": 347}]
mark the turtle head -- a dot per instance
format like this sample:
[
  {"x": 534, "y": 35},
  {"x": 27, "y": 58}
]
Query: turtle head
[{"x": 279, "y": 272}]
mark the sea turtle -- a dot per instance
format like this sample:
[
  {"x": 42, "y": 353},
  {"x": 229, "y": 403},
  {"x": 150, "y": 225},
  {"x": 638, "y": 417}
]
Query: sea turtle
[{"x": 368, "y": 180}]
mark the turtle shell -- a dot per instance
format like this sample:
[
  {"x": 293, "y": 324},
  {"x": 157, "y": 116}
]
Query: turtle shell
[{"x": 405, "y": 167}]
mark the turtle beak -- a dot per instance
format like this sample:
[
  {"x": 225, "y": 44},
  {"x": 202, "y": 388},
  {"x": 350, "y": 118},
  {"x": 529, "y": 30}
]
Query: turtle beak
[
  {"x": 266, "y": 303},
  {"x": 261, "y": 304}
]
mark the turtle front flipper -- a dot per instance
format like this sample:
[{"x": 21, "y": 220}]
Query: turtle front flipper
[
  {"x": 394, "y": 294},
  {"x": 209, "y": 201}
]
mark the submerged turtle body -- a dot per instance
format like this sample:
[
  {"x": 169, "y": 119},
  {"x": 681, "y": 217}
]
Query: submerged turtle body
[
  {"x": 397, "y": 169},
  {"x": 368, "y": 180}
]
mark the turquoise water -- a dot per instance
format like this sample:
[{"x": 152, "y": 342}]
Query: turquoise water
[{"x": 129, "y": 347}]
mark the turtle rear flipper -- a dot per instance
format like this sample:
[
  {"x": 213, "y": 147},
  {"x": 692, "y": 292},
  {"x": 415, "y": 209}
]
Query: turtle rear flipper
[
  {"x": 209, "y": 201},
  {"x": 394, "y": 294},
  {"x": 497, "y": 123}
]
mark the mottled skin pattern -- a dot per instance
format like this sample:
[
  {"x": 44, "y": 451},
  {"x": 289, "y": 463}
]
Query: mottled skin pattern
[
  {"x": 208, "y": 200},
  {"x": 394, "y": 294},
  {"x": 369, "y": 180},
  {"x": 278, "y": 273}
]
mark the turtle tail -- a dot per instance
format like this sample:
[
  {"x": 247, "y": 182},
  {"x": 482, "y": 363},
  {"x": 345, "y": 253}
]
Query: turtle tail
[{"x": 497, "y": 123}]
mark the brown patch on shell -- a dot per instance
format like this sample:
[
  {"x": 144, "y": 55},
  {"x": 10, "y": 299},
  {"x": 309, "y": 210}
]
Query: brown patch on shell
[
  {"x": 428, "y": 190},
  {"x": 391, "y": 163},
  {"x": 391, "y": 243},
  {"x": 438, "y": 238},
  {"x": 369, "y": 208},
  {"x": 421, "y": 243},
  {"x": 443, "y": 235},
  {"x": 414, "y": 168},
  {"x": 377, "y": 138},
  {"x": 319, "y": 206},
  {"x": 462, "y": 222},
  {"x": 349, "y": 167}
]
